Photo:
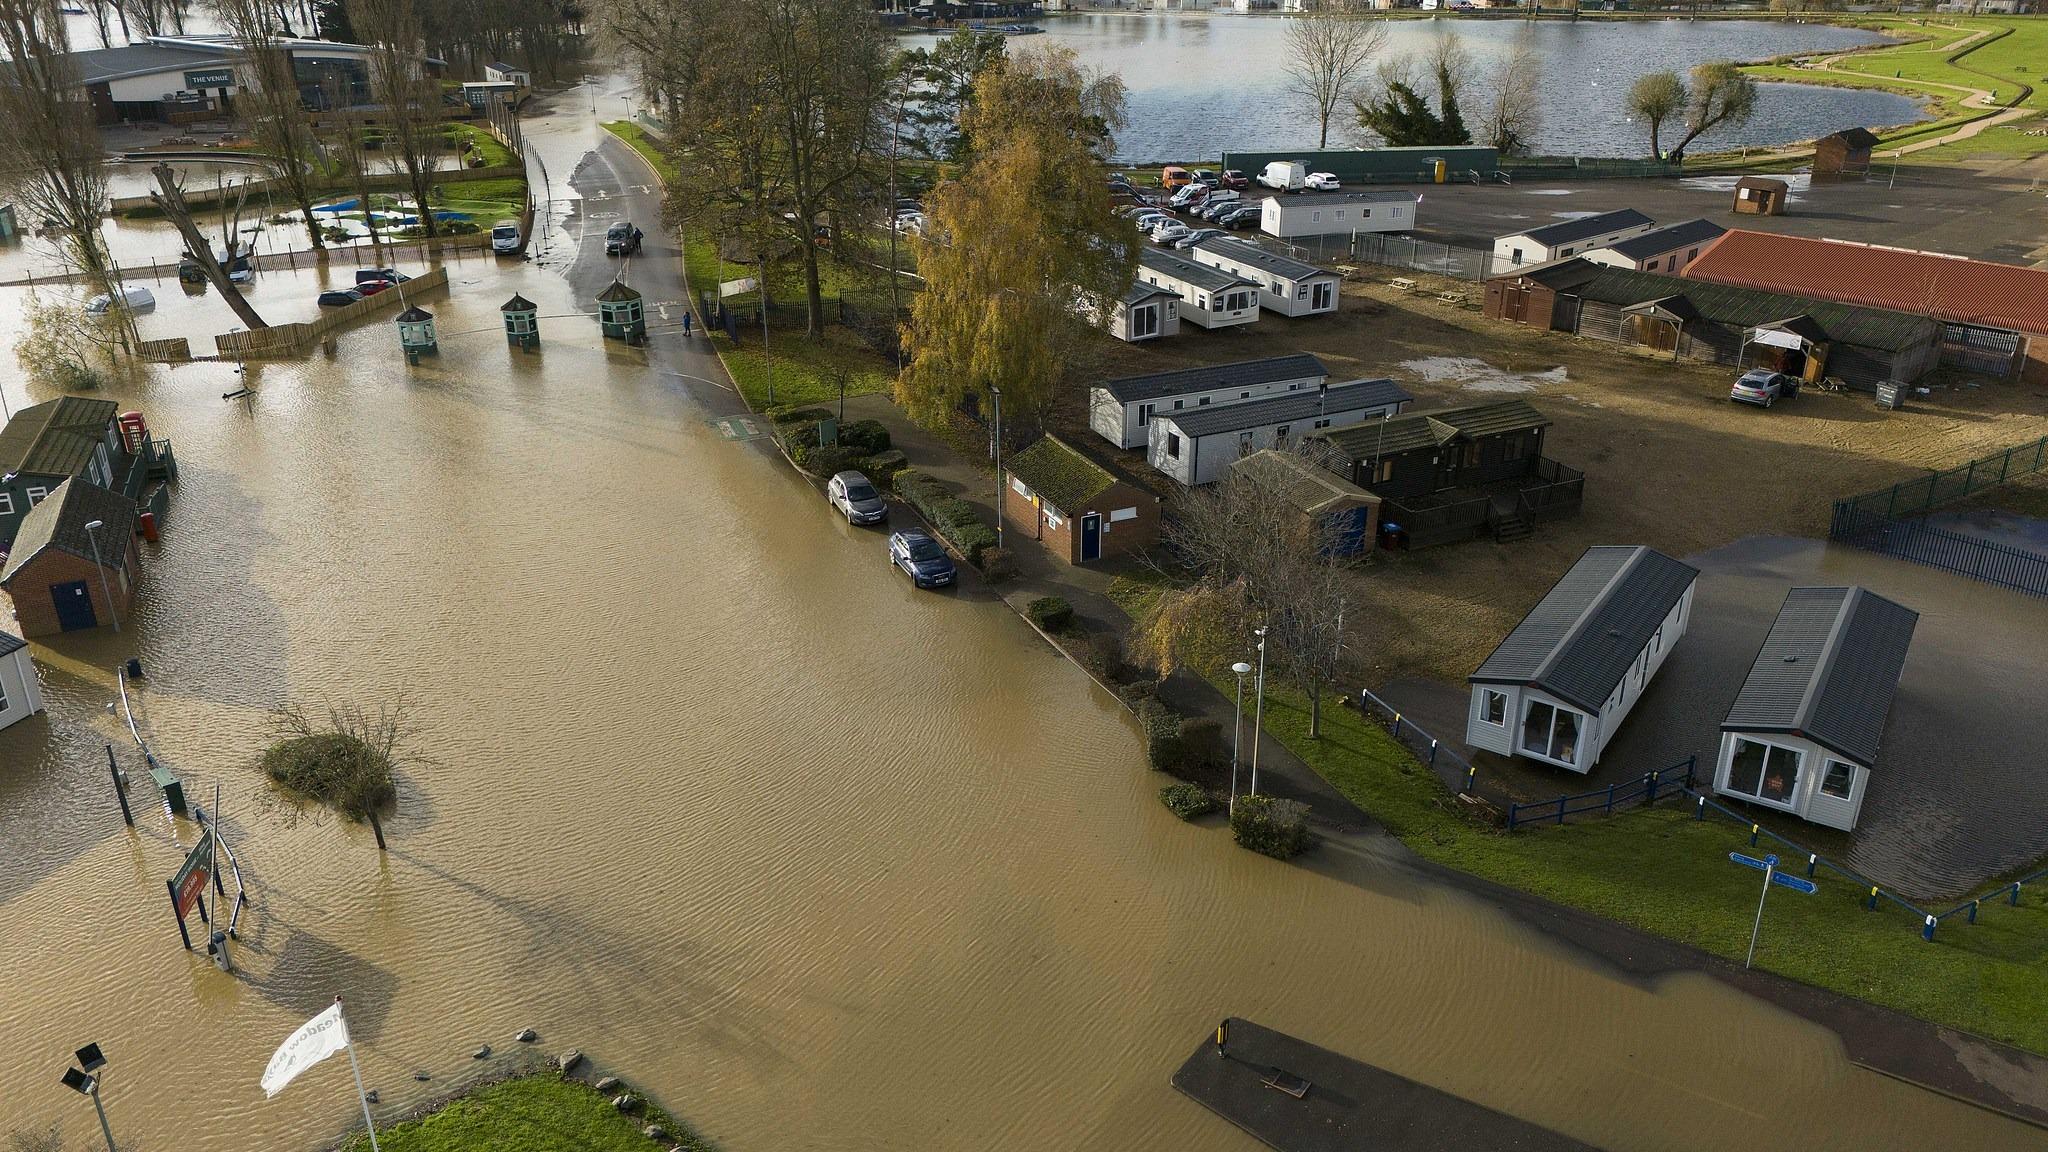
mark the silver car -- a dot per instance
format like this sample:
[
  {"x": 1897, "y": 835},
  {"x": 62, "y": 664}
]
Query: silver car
[
  {"x": 1763, "y": 387},
  {"x": 857, "y": 499}
]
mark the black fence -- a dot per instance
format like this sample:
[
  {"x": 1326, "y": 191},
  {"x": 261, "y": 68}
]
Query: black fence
[
  {"x": 1647, "y": 788},
  {"x": 1913, "y": 497},
  {"x": 1922, "y": 543}
]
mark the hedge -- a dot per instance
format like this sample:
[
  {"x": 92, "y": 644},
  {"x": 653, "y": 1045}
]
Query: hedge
[
  {"x": 865, "y": 437},
  {"x": 1187, "y": 801},
  {"x": 1050, "y": 613},
  {"x": 1276, "y": 828},
  {"x": 882, "y": 467},
  {"x": 953, "y": 517}
]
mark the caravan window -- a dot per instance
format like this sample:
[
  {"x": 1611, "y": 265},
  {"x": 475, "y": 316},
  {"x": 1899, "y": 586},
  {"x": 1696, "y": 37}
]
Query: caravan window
[
  {"x": 1766, "y": 772},
  {"x": 1837, "y": 779},
  {"x": 1551, "y": 731},
  {"x": 1493, "y": 707}
]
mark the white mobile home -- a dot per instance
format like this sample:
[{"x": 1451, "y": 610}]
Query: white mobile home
[
  {"x": 1209, "y": 296},
  {"x": 1559, "y": 686},
  {"x": 1568, "y": 238},
  {"x": 1146, "y": 312},
  {"x": 500, "y": 72},
  {"x": 20, "y": 695},
  {"x": 1198, "y": 446},
  {"x": 1667, "y": 250},
  {"x": 1337, "y": 213},
  {"x": 1803, "y": 732},
  {"x": 1287, "y": 286},
  {"x": 1119, "y": 410}
]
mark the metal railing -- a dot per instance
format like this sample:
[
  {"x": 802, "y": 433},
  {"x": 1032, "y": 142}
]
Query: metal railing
[
  {"x": 1454, "y": 770},
  {"x": 150, "y": 761},
  {"x": 1912, "y": 497},
  {"x": 1673, "y": 781},
  {"x": 1886, "y": 521},
  {"x": 1815, "y": 861}
]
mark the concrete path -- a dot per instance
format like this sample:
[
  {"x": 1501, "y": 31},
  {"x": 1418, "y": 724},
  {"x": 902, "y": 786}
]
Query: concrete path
[{"x": 1975, "y": 99}]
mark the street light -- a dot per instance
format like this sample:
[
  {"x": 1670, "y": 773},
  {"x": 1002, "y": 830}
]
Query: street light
[
  {"x": 998, "y": 394},
  {"x": 92, "y": 532},
  {"x": 82, "y": 1081},
  {"x": 1258, "y": 707},
  {"x": 1237, "y": 729}
]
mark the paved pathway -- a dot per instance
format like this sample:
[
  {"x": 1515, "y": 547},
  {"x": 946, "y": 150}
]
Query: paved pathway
[{"x": 1975, "y": 99}]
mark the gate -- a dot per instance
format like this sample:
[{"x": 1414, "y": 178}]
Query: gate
[{"x": 1990, "y": 351}]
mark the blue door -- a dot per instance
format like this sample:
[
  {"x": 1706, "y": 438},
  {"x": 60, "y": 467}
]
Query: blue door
[
  {"x": 74, "y": 606},
  {"x": 1091, "y": 536}
]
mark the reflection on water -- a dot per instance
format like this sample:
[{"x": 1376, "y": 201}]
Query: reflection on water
[
  {"x": 820, "y": 861},
  {"x": 1201, "y": 85}
]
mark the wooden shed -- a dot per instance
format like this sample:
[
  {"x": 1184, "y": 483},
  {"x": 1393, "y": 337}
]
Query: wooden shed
[
  {"x": 1844, "y": 153},
  {"x": 1341, "y": 517},
  {"x": 1761, "y": 196}
]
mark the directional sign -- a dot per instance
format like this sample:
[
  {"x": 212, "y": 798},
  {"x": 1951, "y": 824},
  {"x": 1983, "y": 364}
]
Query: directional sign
[
  {"x": 1795, "y": 883},
  {"x": 197, "y": 871},
  {"x": 1764, "y": 864}
]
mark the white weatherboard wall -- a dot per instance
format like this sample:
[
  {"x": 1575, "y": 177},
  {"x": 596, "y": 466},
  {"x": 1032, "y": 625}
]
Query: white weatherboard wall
[
  {"x": 1517, "y": 249},
  {"x": 1154, "y": 319},
  {"x": 20, "y": 694},
  {"x": 1124, "y": 424},
  {"x": 1305, "y": 295},
  {"x": 1195, "y": 460},
  {"x": 1803, "y": 792},
  {"x": 1218, "y": 308},
  {"x": 1505, "y": 737},
  {"x": 1334, "y": 215}
]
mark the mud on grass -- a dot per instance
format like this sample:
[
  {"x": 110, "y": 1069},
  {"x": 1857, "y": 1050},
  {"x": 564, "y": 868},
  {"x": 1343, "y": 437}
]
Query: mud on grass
[{"x": 541, "y": 1112}]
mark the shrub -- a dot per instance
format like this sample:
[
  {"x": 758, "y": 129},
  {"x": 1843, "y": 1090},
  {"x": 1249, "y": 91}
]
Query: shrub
[
  {"x": 793, "y": 414},
  {"x": 1050, "y": 613},
  {"x": 866, "y": 437},
  {"x": 1276, "y": 828},
  {"x": 823, "y": 461},
  {"x": 347, "y": 765},
  {"x": 1164, "y": 748},
  {"x": 882, "y": 467},
  {"x": 997, "y": 565},
  {"x": 1187, "y": 801},
  {"x": 1202, "y": 742},
  {"x": 1137, "y": 692},
  {"x": 954, "y": 518}
]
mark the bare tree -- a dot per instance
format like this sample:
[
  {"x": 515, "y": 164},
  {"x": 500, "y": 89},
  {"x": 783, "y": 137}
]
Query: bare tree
[
  {"x": 270, "y": 101},
  {"x": 1514, "y": 107},
  {"x": 170, "y": 198},
  {"x": 1329, "y": 49},
  {"x": 351, "y": 154},
  {"x": 410, "y": 98},
  {"x": 348, "y": 764},
  {"x": 1722, "y": 94}
]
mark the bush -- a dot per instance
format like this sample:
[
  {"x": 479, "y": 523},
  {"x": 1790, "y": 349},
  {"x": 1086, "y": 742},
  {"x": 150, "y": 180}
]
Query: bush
[
  {"x": 793, "y": 414},
  {"x": 1135, "y": 694},
  {"x": 1050, "y": 613},
  {"x": 954, "y": 518},
  {"x": 823, "y": 461},
  {"x": 1164, "y": 748},
  {"x": 867, "y": 437},
  {"x": 882, "y": 467},
  {"x": 1187, "y": 801},
  {"x": 997, "y": 565},
  {"x": 1276, "y": 828}
]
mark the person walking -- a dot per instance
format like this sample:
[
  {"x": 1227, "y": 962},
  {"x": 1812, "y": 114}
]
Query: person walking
[{"x": 686, "y": 323}]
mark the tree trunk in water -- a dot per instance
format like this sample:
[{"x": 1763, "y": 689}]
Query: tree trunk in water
[
  {"x": 312, "y": 226},
  {"x": 377, "y": 829},
  {"x": 172, "y": 201}
]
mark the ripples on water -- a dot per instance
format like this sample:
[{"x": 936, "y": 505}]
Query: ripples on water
[{"x": 1201, "y": 85}]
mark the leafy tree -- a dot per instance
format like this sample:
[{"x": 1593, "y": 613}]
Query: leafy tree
[
  {"x": 1722, "y": 94},
  {"x": 1023, "y": 234},
  {"x": 1328, "y": 50},
  {"x": 65, "y": 349},
  {"x": 1400, "y": 115},
  {"x": 330, "y": 20},
  {"x": 1453, "y": 67},
  {"x": 940, "y": 86},
  {"x": 1657, "y": 97}
]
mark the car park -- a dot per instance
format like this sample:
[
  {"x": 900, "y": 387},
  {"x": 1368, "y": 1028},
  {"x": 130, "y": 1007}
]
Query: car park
[
  {"x": 1206, "y": 177},
  {"x": 1284, "y": 175},
  {"x": 1152, "y": 220},
  {"x": 1197, "y": 236},
  {"x": 856, "y": 498},
  {"x": 1763, "y": 387},
  {"x": 621, "y": 239},
  {"x": 1173, "y": 176},
  {"x": 1235, "y": 180},
  {"x": 921, "y": 558},
  {"x": 1320, "y": 182},
  {"x": 1239, "y": 220},
  {"x": 1189, "y": 196},
  {"x": 1170, "y": 231},
  {"x": 338, "y": 297}
]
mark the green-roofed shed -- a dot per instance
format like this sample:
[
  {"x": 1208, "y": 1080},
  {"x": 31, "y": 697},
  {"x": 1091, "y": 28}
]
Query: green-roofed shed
[
  {"x": 48, "y": 443},
  {"x": 1074, "y": 506},
  {"x": 622, "y": 313}
]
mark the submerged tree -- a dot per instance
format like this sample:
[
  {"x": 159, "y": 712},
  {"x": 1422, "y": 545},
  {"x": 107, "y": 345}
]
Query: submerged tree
[
  {"x": 411, "y": 99},
  {"x": 170, "y": 199},
  {"x": 1657, "y": 97},
  {"x": 66, "y": 349},
  {"x": 348, "y": 764},
  {"x": 1329, "y": 50}
]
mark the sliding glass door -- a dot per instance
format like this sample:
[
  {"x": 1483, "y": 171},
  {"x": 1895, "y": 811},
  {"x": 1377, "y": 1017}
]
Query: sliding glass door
[{"x": 1551, "y": 732}]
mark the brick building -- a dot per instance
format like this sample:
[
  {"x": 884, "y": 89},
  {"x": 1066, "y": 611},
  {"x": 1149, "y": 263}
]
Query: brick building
[
  {"x": 51, "y": 576},
  {"x": 1074, "y": 506}
]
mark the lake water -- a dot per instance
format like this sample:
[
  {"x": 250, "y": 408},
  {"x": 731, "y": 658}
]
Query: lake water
[{"x": 1201, "y": 85}]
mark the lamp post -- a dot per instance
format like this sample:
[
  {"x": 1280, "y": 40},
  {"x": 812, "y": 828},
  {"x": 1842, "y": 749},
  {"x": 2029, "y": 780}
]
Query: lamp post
[
  {"x": 92, "y": 532},
  {"x": 998, "y": 394},
  {"x": 1237, "y": 729},
  {"x": 1258, "y": 707},
  {"x": 82, "y": 1081}
]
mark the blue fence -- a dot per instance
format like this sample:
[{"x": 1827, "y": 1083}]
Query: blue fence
[
  {"x": 1673, "y": 781},
  {"x": 1454, "y": 770}
]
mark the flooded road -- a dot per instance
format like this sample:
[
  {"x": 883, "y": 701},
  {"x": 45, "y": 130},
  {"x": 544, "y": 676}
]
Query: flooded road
[{"x": 819, "y": 861}]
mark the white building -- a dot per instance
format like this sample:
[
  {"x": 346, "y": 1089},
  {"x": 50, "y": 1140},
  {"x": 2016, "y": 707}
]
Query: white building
[
  {"x": 1287, "y": 286},
  {"x": 1803, "y": 732},
  {"x": 182, "y": 77},
  {"x": 1568, "y": 237},
  {"x": 1197, "y": 446},
  {"x": 1667, "y": 250},
  {"x": 498, "y": 72},
  {"x": 1335, "y": 213},
  {"x": 1209, "y": 297},
  {"x": 1120, "y": 410},
  {"x": 1146, "y": 312},
  {"x": 1559, "y": 686},
  {"x": 20, "y": 695}
]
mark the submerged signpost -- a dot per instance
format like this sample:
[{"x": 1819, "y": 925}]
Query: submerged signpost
[{"x": 1769, "y": 867}]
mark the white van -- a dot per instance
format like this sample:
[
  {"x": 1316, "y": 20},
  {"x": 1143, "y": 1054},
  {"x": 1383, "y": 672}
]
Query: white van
[
  {"x": 1284, "y": 175},
  {"x": 505, "y": 237}
]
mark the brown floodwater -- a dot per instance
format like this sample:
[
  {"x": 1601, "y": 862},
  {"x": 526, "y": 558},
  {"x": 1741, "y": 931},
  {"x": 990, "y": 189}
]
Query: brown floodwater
[{"x": 708, "y": 791}]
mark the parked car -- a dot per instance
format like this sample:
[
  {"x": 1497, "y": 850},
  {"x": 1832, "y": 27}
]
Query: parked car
[
  {"x": 1763, "y": 387},
  {"x": 1152, "y": 220},
  {"x": 134, "y": 299},
  {"x": 910, "y": 224},
  {"x": 856, "y": 499},
  {"x": 1241, "y": 219},
  {"x": 505, "y": 237},
  {"x": 1320, "y": 182},
  {"x": 921, "y": 559},
  {"x": 1204, "y": 176},
  {"x": 1235, "y": 180},
  {"x": 339, "y": 297},
  {"x": 1197, "y": 236},
  {"x": 1189, "y": 196},
  {"x": 388, "y": 275},
  {"x": 1170, "y": 231},
  {"x": 1133, "y": 211},
  {"x": 1174, "y": 177},
  {"x": 371, "y": 287},
  {"x": 621, "y": 239},
  {"x": 1284, "y": 175}
]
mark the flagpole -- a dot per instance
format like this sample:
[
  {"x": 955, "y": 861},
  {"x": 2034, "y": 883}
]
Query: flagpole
[{"x": 369, "y": 1125}]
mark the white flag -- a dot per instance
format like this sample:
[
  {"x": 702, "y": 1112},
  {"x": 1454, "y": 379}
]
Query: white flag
[{"x": 316, "y": 1040}]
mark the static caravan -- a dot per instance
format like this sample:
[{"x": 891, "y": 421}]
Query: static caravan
[
  {"x": 20, "y": 694},
  {"x": 1209, "y": 296},
  {"x": 1146, "y": 312},
  {"x": 1666, "y": 250},
  {"x": 1569, "y": 237},
  {"x": 1119, "y": 410},
  {"x": 500, "y": 72},
  {"x": 1559, "y": 686},
  {"x": 1803, "y": 732},
  {"x": 1287, "y": 286},
  {"x": 1197, "y": 447},
  {"x": 1338, "y": 213}
]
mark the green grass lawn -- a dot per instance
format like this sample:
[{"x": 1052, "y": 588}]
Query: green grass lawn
[
  {"x": 538, "y": 1113},
  {"x": 495, "y": 154},
  {"x": 1663, "y": 871}
]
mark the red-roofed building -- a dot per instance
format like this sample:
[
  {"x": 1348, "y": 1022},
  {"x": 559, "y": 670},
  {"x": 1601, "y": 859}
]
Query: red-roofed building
[{"x": 1994, "y": 316}]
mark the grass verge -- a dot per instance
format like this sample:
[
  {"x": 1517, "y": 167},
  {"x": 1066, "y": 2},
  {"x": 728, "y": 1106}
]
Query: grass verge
[
  {"x": 537, "y": 1113},
  {"x": 1664, "y": 872}
]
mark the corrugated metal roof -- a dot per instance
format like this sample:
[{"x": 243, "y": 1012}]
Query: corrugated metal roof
[
  {"x": 1566, "y": 231},
  {"x": 1055, "y": 470},
  {"x": 1412, "y": 430},
  {"x": 59, "y": 522},
  {"x": 1827, "y": 670},
  {"x": 1586, "y": 632},
  {"x": 1739, "y": 307},
  {"x": 1658, "y": 241},
  {"x": 56, "y": 437},
  {"x": 1187, "y": 271},
  {"x": 1919, "y": 283},
  {"x": 1300, "y": 366},
  {"x": 1284, "y": 407},
  {"x": 1257, "y": 257}
]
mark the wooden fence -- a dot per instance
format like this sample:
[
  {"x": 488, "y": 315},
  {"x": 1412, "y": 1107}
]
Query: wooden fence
[
  {"x": 284, "y": 341},
  {"x": 377, "y": 182}
]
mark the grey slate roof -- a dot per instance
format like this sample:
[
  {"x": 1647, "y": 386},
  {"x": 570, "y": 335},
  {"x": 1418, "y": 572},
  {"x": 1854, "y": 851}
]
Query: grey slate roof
[
  {"x": 1129, "y": 389},
  {"x": 1272, "y": 262},
  {"x": 59, "y": 522},
  {"x": 1566, "y": 231},
  {"x": 1827, "y": 670},
  {"x": 56, "y": 437},
  {"x": 1187, "y": 271},
  {"x": 1141, "y": 292},
  {"x": 9, "y": 645},
  {"x": 1325, "y": 199},
  {"x": 1285, "y": 407},
  {"x": 1586, "y": 632},
  {"x": 1658, "y": 241}
]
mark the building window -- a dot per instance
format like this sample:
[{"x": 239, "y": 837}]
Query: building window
[
  {"x": 1144, "y": 414},
  {"x": 1493, "y": 707},
  {"x": 1513, "y": 448},
  {"x": 1566, "y": 252},
  {"x": 1471, "y": 455},
  {"x": 1692, "y": 256},
  {"x": 1173, "y": 445},
  {"x": 1244, "y": 444},
  {"x": 6, "y": 504},
  {"x": 1295, "y": 387},
  {"x": 1300, "y": 291},
  {"x": 1244, "y": 395},
  {"x": 1766, "y": 772},
  {"x": 1514, "y": 255},
  {"x": 1550, "y": 731},
  {"x": 1315, "y": 217},
  {"x": 1280, "y": 435},
  {"x": 1123, "y": 514},
  {"x": 1178, "y": 404},
  {"x": 35, "y": 496},
  {"x": 1364, "y": 213},
  {"x": 1835, "y": 781},
  {"x": 1384, "y": 472},
  {"x": 1201, "y": 301},
  {"x": 1322, "y": 423},
  {"x": 1202, "y": 401}
]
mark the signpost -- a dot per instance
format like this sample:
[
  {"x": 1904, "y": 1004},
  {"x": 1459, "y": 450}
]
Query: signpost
[
  {"x": 188, "y": 887},
  {"x": 1769, "y": 867}
]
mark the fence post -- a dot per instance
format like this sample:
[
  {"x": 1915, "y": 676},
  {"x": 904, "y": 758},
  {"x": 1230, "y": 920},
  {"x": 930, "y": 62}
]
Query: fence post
[
  {"x": 1973, "y": 911},
  {"x": 1812, "y": 862},
  {"x": 1560, "y": 811},
  {"x": 1969, "y": 479},
  {"x": 1649, "y": 788},
  {"x": 1892, "y": 505},
  {"x": 1432, "y": 753},
  {"x": 1702, "y": 809},
  {"x": 1397, "y": 725},
  {"x": 1873, "y": 897},
  {"x": 1472, "y": 775},
  {"x": 2015, "y": 893},
  {"x": 1691, "y": 762},
  {"x": 1753, "y": 829},
  {"x": 1927, "y": 933},
  {"x": 1610, "y": 797},
  {"x": 1514, "y": 810}
]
